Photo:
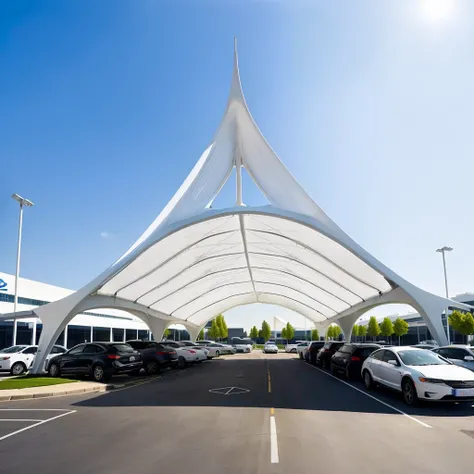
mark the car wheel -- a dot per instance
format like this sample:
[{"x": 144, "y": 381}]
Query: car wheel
[
  {"x": 18, "y": 368},
  {"x": 98, "y": 373},
  {"x": 218, "y": 353},
  {"x": 410, "y": 397},
  {"x": 53, "y": 370},
  {"x": 368, "y": 382},
  {"x": 152, "y": 367},
  {"x": 181, "y": 362}
]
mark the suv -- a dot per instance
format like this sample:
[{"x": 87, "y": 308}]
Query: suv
[
  {"x": 327, "y": 351},
  {"x": 349, "y": 359},
  {"x": 155, "y": 355},
  {"x": 458, "y": 354},
  {"x": 312, "y": 351},
  {"x": 100, "y": 360}
]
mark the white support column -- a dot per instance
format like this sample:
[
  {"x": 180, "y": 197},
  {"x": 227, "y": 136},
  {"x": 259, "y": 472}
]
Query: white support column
[
  {"x": 346, "y": 324},
  {"x": 33, "y": 335},
  {"x": 157, "y": 327},
  {"x": 15, "y": 330},
  {"x": 65, "y": 336},
  {"x": 124, "y": 334},
  {"x": 238, "y": 172},
  {"x": 111, "y": 335},
  {"x": 92, "y": 334},
  {"x": 137, "y": 334}
]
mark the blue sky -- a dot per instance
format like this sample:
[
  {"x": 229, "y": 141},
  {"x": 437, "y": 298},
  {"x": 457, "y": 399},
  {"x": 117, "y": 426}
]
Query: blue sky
[{"x": 106, "y": 106}]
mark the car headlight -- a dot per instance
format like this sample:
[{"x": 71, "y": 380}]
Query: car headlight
[{"x": 425, "y": 380}]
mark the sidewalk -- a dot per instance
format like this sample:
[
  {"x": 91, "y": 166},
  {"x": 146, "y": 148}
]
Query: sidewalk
[{"x": 72, "y": 388}]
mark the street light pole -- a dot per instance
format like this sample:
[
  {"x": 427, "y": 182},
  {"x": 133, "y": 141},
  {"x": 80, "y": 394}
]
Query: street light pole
[
  {"x": 23, "y": 202},
  {"x": 443, "y": 250}
]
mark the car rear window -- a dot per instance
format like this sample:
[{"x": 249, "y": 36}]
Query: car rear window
[
  {"x": 121, "y": 347},
  {"x": 365, "y": 351}
]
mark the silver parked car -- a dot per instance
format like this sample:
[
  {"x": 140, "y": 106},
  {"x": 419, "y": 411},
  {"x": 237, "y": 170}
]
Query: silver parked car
[{"x": 458, "y": 354}]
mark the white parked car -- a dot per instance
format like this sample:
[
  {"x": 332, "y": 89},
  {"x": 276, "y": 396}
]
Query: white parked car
[
  {"x": 419, "y": 374},
  {"x": 18, "y": 359},
  {"x": 193, "y": 345},
  {"x": 291, "y": 347},
  {"x": 270, "y": 348},
  {"x": 245, "y": 348},
  {"x": 301, "y": 348},
  {"x": 187, "y": 355}
]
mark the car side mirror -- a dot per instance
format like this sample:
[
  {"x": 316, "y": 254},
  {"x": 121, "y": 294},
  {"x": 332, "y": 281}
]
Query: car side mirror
[
  {"x": 393, "y": 362},
  {"x": 468, "y": 358}
]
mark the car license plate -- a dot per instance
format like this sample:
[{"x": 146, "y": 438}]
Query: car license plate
[
  {"x": 463, "y": 392},
  {"x": 132, "y": 358}
]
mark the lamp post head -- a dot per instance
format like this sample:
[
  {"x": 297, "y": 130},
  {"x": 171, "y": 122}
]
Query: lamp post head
[
  {"x": 444, "y": 249},
  {"x": 22, "y": 201}
]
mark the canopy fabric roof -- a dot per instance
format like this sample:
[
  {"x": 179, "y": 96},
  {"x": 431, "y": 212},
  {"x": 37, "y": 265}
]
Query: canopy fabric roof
[{"x": 197, "y": 272}]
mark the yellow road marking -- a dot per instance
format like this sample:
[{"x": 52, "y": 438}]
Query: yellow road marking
[{"x": 272, "y": 411}]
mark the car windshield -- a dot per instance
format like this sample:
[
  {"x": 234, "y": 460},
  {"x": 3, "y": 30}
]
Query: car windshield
[
  {"x": 12, "y": 349},
  {"x": 421, "y": 357}
]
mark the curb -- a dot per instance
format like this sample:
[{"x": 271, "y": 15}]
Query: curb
[{"x": 30, "y": 396}]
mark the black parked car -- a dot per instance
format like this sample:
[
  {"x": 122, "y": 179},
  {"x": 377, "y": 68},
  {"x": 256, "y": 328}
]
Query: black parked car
[
  {"x": 328, "y": 350},
  {"x": 312, "y": 351},
  {"x": 100, "y": 360},
  {"x": 349, "y": 359},
  {"x": 155, "y": 355}
]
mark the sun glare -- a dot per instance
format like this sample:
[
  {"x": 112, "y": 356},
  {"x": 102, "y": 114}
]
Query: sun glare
[{"x": 437, "y": 11}]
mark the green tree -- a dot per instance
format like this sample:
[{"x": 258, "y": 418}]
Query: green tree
[
  {"x": 362, "y": 330},
  {"x": 254, "y": 333},
  {"x": 373, "y": 328},
  {"x": 166, "y": 333},
  {"x": 333, "y": 331},
  {"x": 400, "y": 328},
  {"x": 355, "y": 331},
  {"x": 283, "y": 334},
  {"x": 461, "y": 322},
  {"x": 222, "y": 332},
  {"x": 266, "y": 331},
  {"x": 290, "y": 332},
  {"x": 214, "y": 331},
  {"x": 201, "y": 334},
  {"x": 314, "y": 335},
  {"x": 386, "y": 327}
]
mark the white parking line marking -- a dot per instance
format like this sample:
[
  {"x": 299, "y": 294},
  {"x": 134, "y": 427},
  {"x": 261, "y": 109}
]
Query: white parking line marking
[
  {"x": 36, "y": 424},
  {"x": 273, "y": 441},
  {"x": 33, "y": 409},
  {"x": 19, "y": 419},
  {"x": 373, "y": 398}
]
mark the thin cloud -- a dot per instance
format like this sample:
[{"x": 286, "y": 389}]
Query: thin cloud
[{"x": 105, "y": 235}]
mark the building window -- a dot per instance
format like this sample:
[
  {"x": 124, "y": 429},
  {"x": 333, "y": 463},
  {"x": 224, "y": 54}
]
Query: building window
[
  {"x": 77, "y": 335},
  {"x": 101, "y": 334},
  {"x": 143, "y": 334},
  {"x": 117, "y": 334},
  {"x": 24, "y": 333},
  {"x": 131, "y": 334}
]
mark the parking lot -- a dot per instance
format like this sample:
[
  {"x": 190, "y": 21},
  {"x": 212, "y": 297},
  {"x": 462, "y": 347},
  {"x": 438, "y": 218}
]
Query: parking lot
[{"x": 251, "y": 413}]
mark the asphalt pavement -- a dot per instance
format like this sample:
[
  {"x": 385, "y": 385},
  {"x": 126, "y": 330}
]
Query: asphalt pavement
[{"x": 249, "y": 413}]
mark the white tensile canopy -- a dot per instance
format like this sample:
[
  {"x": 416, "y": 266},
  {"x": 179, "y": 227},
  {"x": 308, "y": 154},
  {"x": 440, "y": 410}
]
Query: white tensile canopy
[{"x": 195, "y": 262}]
